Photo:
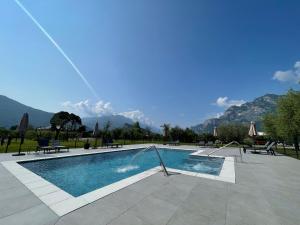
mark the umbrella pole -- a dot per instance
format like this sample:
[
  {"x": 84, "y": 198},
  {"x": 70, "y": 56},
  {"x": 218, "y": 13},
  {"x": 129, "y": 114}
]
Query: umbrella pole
[
  {"x": 19, "y": 153},
  {"x": 20, "y": 148},
  {"x": 95, "y": 146},
  {"x": 6, "y": 148},
  {"x": 254, "y": 144}
]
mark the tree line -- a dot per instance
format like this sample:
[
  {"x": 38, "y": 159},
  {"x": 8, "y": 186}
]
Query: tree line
[{"x": 283, "y": 125}]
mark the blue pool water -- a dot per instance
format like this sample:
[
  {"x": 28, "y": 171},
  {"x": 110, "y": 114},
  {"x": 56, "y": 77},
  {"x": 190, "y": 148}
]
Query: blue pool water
[{"x": 78, "y": 175}]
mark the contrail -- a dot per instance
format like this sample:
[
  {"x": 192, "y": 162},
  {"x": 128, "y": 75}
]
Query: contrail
[{"x": 58, "y": 48}]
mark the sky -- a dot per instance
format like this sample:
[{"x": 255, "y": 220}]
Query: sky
[{"x": 158, "y": 61}]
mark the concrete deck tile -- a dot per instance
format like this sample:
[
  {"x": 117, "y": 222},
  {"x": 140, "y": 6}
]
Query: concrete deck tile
[
  {"x": 154, "y": 211},
  {"x": 37, "y": 215},
  {"x": 17, "y": 204}
]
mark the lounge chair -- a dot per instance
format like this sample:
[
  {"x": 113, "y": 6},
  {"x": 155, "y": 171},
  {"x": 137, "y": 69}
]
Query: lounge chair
[
  {"x": 201, "y": 143},
  {"x": 110, "y": 143},
  {"x": 113, "y": 145},
  {"x": 174, "y": 143},
  {"x": 210, "y": 143},
  {"x": 43, "y": 144},
  {"x": 270, "y": 149},
  {"x": 264, "y": 147},
  {"x": 57, "y": 146}
]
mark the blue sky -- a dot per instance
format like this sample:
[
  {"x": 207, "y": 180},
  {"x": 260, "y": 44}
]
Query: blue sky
[{"x": 156, "y": 61}]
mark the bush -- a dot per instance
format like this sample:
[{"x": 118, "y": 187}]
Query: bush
[
  {"x": 232, "y": 132},
  {"x": 248, "y": 141},
  {"x": 87, "y": 145},
  {"x": 31, "y": 134}
]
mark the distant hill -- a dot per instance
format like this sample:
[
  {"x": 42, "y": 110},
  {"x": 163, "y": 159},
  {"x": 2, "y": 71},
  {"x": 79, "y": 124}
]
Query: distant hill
[
  {"x": 250, "y": 111},
  {"x": 12, "y": 111},
  {"x": 117, "y": 121}
]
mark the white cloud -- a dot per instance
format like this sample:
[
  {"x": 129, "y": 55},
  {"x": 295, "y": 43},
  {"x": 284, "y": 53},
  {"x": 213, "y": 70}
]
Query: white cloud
[
  {"x": 137, "y": 115},
  {"x": 292, "y": 75},
  {"x": 226, "y": 102},
  {"x": 86, "y": 108}
]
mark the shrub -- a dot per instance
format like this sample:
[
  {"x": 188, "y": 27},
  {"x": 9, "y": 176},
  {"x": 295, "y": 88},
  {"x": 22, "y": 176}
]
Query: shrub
[{"x": 232, "y": 132}]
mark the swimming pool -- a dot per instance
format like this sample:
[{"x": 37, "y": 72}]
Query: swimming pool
[{"x": 79, "y": 175}]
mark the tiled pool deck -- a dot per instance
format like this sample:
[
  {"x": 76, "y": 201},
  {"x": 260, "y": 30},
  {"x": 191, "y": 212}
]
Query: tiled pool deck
[{"x": 266, "y": 192}]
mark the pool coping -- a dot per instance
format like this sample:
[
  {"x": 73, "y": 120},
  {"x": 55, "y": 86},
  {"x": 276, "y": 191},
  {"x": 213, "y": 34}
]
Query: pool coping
[{"x": 63, "y": 203}]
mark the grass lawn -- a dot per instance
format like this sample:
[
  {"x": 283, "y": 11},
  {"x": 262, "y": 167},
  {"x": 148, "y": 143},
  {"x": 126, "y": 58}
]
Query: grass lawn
[
  {"x": 30, "y": 145},
  {"x": 288, "y": 152}
]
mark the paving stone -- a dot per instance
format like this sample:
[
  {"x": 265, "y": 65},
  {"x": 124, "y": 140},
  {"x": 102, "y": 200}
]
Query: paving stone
[{"x": 37, "y": 215}]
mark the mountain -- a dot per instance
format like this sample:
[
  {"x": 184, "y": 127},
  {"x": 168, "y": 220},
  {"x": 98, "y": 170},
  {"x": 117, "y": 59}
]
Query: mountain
[
  {"x": 250, "y": 111},
  {"x": 12, "y": 111},
  {"x": 117, "y": 121}
]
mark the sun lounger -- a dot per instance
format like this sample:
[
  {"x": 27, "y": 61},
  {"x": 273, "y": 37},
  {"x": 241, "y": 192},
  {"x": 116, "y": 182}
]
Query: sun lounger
[
  {"x": 43, "y": 144},
  {"x": 57, "y": 146},
  {"x": 269, "y": 149},
  {"x": 113, "y": 145},
  {"x": 109, "y": 143},
  {"x": 174, "y": 143},
  {"x": 201, "y": 143},
  {"x": 210, "y": 143},
  {"x": 264, "y": 147}
]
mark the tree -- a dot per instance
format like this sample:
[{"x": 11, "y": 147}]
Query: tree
[
  {"x": 189, "y": 136},
  {"x": 148, "y": 133},
  {"x": 206, "y": 137},
  {"x": 269, "y": 125},
  {"x": 14, "y": 127},
  {"x": 176, "y": 133},
  {"x": 288, "y": 117},
  {"x": 106, "y": 134},
  {"x": 61, "y": 119},
  {"x": 166, "y": 130},
  {"x": 117, "y": 133},
  {"x": 232, "y": 132},
  {"x": 82, "y": 129},
  {"x": 137, "y": 131},
  {"x": 75, "y": 120}
]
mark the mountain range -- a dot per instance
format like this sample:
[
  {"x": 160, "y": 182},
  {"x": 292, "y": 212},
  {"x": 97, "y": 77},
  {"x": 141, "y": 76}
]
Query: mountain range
[
  {"x": 247, "y": 112},
  {"x": 116, "y": 121},
  {"x": 11, "y": 112}
]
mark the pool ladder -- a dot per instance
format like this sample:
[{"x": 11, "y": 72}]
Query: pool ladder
[{"x": 160, "y": 159}]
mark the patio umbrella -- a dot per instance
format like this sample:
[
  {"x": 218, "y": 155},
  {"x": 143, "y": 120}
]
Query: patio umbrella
[
  {"x": 22, "y": 130},
  {"x": 252, "y": 132},
  {"x": 215, "y": 132},
  {"x": 95, "y": 133}
]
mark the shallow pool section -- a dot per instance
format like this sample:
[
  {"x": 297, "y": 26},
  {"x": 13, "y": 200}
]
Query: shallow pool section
[{"x": 79, "y": 175}]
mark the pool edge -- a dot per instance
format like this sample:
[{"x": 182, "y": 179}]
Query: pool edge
[{"x": 63, "y": 203}]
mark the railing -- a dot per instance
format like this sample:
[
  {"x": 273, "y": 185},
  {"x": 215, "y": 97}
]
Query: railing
[
  {"x": 160, "y": 159},
  {"x": 225, "y": 146}
]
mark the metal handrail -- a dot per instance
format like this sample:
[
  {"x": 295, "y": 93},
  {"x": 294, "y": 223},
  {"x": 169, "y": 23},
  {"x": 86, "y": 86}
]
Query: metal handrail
[
  {"x": 160, "y": 159},
  {"x": 233, "y": 142}
]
